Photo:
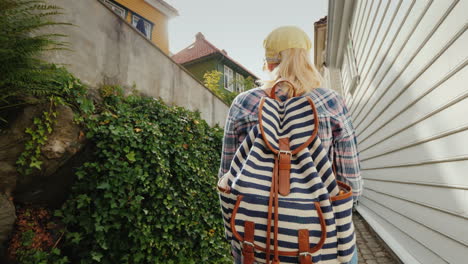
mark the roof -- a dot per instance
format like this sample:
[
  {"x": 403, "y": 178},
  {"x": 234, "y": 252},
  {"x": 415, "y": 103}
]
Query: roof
[
  {"x": 202, "y": 48},
  {"x": 164, "y": 7},
  {"x": 322, "y": 21}
]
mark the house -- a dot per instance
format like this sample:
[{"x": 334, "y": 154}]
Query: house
[
  {"x": 320, "y": 44},
  {"x": 150, "y": 17},
  {"x": 320, "y": 36},
  {"x": 202, "y": 56},
  {"x": 401, "y": 68}
]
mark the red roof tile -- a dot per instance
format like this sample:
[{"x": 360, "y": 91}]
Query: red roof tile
[{"x": 202, "y": 48}]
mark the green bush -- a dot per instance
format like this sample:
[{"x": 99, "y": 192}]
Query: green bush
[{"x": 148, "y": 194}]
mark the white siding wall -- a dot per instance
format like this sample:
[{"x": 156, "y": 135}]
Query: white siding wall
[{"x": 410, "y": 112}]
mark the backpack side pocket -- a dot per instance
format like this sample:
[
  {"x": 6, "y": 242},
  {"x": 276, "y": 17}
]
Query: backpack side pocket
[
  {"x": 227, "y": 201},
  {"x": 343, "y": 210}
]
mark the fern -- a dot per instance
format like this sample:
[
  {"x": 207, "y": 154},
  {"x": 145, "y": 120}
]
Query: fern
[{"x": 22, "y": 42}]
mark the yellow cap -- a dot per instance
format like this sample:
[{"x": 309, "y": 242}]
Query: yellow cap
[{"x": 283, "y": 38}]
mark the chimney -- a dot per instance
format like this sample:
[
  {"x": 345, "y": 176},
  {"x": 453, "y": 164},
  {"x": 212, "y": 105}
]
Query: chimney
[{"x": 199, "y": 36}]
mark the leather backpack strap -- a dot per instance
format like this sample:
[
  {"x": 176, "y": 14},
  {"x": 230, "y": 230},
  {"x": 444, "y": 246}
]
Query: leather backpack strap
[
  {"x": 284, "y": 167},
  {"x": 248, "y": 243},
  {"x": 273, "y": 89},
  {"x": 304, "y": 247}
]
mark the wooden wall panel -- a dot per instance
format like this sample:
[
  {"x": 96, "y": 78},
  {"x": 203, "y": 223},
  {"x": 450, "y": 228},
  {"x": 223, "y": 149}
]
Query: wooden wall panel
[{"x": 410, "y": 114}]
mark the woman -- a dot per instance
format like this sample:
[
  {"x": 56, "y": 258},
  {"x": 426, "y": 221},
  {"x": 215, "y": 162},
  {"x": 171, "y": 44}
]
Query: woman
[{"x": 287, "y": 56}]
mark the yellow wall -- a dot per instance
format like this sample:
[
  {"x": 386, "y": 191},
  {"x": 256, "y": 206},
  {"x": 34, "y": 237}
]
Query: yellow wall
[{"x": 159, "y": 36}]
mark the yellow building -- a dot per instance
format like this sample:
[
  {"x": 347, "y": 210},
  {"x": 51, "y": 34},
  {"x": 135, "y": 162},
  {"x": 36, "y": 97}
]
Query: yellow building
[{"x": 154, "y": 16}]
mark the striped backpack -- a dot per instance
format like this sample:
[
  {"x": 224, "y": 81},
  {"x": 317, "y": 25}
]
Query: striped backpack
[{"x": 281, "y": 180}]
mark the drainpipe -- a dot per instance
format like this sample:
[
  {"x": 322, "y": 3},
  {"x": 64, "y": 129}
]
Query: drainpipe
[{"x": 340, "y": 15}]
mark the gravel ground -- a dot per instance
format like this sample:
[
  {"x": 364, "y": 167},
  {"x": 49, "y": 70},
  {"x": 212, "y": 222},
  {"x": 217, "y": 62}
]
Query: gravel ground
[{"x": 371, "y": 249}]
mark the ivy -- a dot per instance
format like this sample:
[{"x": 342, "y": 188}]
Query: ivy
[
  {"x": 72, "y": 93},
  {"x": 29, "y": 159},
  {"x": 147, "y": 195}
]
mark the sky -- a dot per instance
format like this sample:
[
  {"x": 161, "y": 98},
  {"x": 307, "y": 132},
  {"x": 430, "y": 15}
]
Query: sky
[{"x": 240, "y": 26}]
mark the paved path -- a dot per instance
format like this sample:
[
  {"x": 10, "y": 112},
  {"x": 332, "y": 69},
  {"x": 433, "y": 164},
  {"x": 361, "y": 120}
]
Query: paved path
[{"x": 371, "y": 248}]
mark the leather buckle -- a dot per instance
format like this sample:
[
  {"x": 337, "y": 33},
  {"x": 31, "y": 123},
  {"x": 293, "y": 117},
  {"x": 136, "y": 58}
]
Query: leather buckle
[
  {"x": 287, "y": 152},
  {"x": 248, "y": 243},
  {"x": 305, "y": 254},
  {"x": 247, "y": 247},
  {"x": 305, "y": 257}
]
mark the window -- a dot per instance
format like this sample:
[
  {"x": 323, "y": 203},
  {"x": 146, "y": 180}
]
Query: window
[
  {"x": 122, "y": 12},
  {"x": 147, "y": 25},
  {"x": 228, "y": 79},
  {"x": 239, "y": 83}
]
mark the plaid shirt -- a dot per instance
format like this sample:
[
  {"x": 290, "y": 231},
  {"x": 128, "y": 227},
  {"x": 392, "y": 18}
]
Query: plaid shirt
[{"x": 335, "y": 130}]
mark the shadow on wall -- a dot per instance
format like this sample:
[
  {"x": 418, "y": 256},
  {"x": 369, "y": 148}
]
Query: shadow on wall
[
  {"x": 411, "y": 136},
  {"x": 105, "y": 47}
]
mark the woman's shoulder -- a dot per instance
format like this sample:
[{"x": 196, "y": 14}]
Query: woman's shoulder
[
  {"x": 328, "y": 102},
  {"x": 248, "y": 100}
]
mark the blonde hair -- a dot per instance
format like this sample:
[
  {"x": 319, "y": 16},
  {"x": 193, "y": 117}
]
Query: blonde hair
[{"x": 297, "y": 68}]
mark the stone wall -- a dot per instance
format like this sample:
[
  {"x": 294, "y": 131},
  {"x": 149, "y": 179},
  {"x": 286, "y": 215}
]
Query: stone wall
[{"x": 108, "y": 50}]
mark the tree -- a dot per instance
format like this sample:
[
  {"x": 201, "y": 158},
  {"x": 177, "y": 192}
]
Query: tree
[
  {"x": 249, "y": 83},
  {"x": 211, "y": 79}
]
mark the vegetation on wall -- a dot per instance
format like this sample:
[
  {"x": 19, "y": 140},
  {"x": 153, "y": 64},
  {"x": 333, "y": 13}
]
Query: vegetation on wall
[
  {"x": 69, "y": 91},
  {"x": 148, "y": 196},
  {"x": 37, "y": 137}
]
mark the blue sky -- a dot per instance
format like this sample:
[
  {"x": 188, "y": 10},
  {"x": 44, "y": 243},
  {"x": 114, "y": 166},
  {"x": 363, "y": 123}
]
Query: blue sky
[{"x": 240, "y": 26}]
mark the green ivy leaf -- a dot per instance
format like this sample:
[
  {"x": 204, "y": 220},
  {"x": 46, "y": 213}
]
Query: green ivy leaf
[
  {"x": 36, "y": 164},
  {"x": 96, "y": 256},
  {"x": 131, "y": 156},
  {"x": 103, "y": 186}
]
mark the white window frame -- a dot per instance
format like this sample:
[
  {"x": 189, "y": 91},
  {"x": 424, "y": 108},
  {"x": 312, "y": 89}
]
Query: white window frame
[
  {"x": 228, "y": 79},
  {"x": 148, "y": 25},
  {"x": 120, "y": 11},
  {"x": 240, "y": 83}
]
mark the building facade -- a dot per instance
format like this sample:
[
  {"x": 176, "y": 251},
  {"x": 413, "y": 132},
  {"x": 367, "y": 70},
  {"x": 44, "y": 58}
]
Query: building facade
[
  {"x": 401, "y": 67},
  {"x": 150, "y": 17},
  {"x": 320, "y": 41},
  {"x": 201, "y": 57}
]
